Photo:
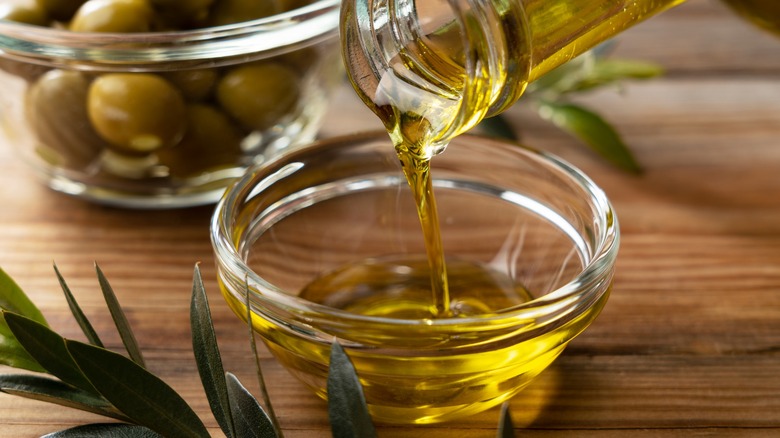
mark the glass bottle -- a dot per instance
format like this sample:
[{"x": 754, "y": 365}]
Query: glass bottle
[{"x": 432, "y": 69}]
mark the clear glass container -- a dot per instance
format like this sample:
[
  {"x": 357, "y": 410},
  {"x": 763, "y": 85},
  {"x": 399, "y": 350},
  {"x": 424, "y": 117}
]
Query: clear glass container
[
  {"x": 288, "y": 64},
  {"x": 510, "y": 216}
]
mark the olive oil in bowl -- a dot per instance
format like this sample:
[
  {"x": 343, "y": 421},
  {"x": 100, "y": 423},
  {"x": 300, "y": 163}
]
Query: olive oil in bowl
[{"x": 329, "y": 241}]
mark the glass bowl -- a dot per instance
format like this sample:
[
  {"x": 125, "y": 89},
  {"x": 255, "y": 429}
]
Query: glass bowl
[
  {"x": 168, "y": 118},
  {"x": 325, "y": 237}
]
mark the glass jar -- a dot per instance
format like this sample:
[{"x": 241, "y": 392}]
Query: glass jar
[
  {"x": 164, "y": 119},
  {"x": 325, "y": 240}
]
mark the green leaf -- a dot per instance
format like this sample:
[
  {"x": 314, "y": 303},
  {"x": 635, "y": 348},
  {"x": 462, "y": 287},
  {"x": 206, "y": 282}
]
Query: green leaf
[
  {"x": 258, "y": 368},
  {"x": 120, "y": 320},
  {"x": 48, "y": 349},
  {"x": 137, "y": 393},
  {"x": 107, "y": 430},
  {"x": 497, "y": 126},
  {"x": 11, "y": 351},
  {"x": 607, "y": 71},
  {"x": 505, "y": 427},
  {"x": 13, "y": 299},
  {"x": 80, "y": 317},
  {"x": 347, "y": 408},
  {"x": 207, "y": 357},
  {"x": 591, "y": 129},
  {"x": 249, "y": 417},
  {"x": 54, "y": 391}
]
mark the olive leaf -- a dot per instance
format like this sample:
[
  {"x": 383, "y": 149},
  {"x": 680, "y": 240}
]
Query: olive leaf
[
  {"x": 136, "y": 392},
  {"x": 207, "y": 356},
  {"x": 120, "y": 320},
  {"x": 78, "y": 314},
  {"x": 505, "y": 427},
  {"x": 105, "y": 430},
  {"x": 591, "y": 129},
  {"x": 249, "y": 418},
  {"x": 55, "y": 391},
  {"x": 258, "y": 369},
  {"x": 12, "y": 353},
  {"x": 13, "y": 299},
  {"x": 49, "y": 350},
  {"x": 347, "y": 408},
  {"x": 607, "y": 71}
]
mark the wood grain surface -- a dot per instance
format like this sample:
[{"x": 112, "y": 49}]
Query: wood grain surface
[{"x": 688, "y": 344}]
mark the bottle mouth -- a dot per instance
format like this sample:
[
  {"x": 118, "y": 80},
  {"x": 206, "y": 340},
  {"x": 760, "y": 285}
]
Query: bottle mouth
[
  {"x": 215, "y": 46},
  {"x": 449, "y": 63}
]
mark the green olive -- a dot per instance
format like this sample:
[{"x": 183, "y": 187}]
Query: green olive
[
  {"x": 61, "y": 10},
  {"x": 136, "y": 112},
  {"x": 121, "y": 16},
  {"x": 182, "y": 13},
  {"x": 259, "y": 95},
  {"x": 195, "y": 85},
  {"x": 56, "y": 107},
  {"x": 31, "y": 14},
  {"x": 212, "y": 140},
  {"x": 237, "y": 11}
]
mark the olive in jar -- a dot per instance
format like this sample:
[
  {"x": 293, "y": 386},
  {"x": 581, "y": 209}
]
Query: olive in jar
[
  {"x": 212, "y": 140},
  {"x": 118, "y": 16},
  {"x": 60, "y": 10},
  {"x": 32, "y": 14},
  {"x": 260, "y": 94},
  {"x": 136, "y": 113},
  {"x": 56, "y": 106},
  {"x": 237, "y": 11}
]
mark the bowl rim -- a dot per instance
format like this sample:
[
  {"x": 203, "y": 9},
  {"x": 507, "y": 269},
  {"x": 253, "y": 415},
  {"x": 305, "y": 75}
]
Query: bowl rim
[
  {"x": 272, "y": 35},
  {"x": 567, "y": 301}
]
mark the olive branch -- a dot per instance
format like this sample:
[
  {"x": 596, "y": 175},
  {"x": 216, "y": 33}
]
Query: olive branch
[{"x": 117, "y": 385}]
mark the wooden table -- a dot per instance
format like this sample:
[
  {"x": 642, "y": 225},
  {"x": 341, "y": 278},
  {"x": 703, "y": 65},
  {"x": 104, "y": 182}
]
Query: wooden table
[{"x": 689, "y": 342}]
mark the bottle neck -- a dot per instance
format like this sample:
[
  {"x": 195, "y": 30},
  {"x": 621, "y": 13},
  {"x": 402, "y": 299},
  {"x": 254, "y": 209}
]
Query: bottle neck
[{"x": 433, "y": 69}]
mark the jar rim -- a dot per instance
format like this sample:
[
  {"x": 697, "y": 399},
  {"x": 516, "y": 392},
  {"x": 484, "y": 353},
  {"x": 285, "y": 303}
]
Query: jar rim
[
  {"x": 266, "y": 36},
  {"x": 567, "y": 301}
]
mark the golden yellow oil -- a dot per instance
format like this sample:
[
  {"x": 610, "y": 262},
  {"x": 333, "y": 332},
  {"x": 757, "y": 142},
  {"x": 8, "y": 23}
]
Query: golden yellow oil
[
  {"x": 421, "y": 373},
  {"x": 400, "y": 287}
]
